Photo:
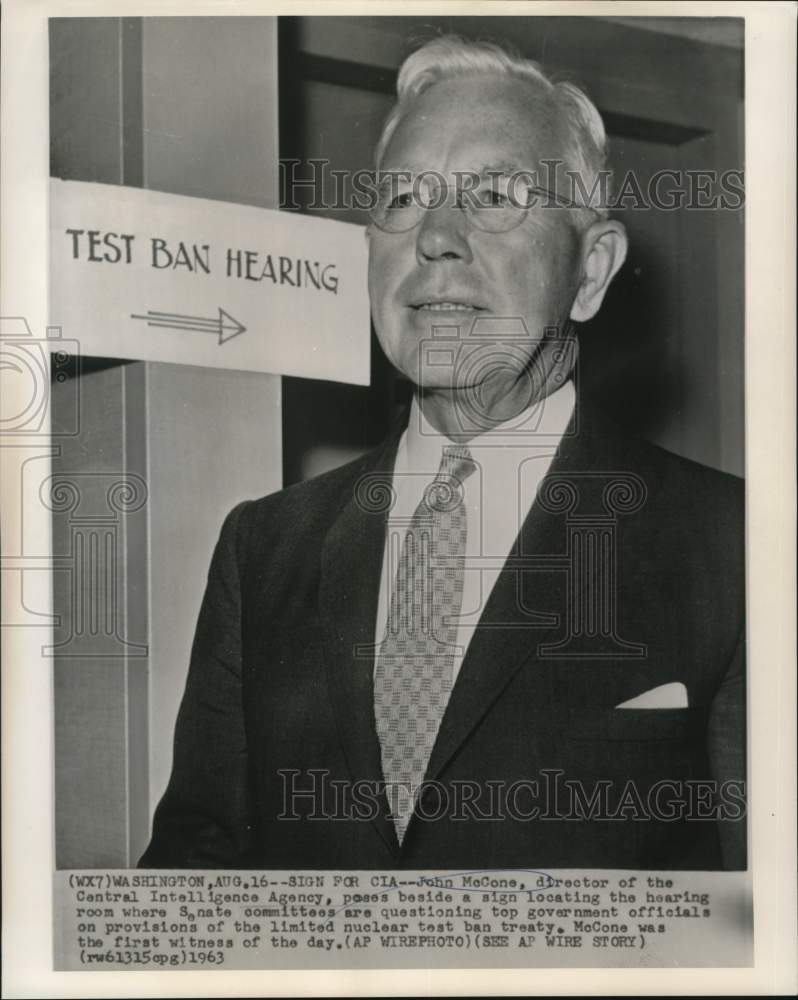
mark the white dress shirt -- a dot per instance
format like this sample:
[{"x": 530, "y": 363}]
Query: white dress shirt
[{"x": 511, "y": 460}]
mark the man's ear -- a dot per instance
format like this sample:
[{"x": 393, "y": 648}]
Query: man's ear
[{"x": 604, "y": 247}]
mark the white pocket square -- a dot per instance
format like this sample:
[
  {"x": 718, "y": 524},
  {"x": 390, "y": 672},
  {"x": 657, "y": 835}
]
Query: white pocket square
[{"x": 673, "y": 695}]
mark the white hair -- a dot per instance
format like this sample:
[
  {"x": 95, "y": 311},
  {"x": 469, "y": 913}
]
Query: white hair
[{"x": 570, "y": 113}]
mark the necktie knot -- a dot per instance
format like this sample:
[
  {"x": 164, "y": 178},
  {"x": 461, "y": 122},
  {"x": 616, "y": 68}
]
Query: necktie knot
[
  {"x": 456, "y": 461},
  {"x": 445, "y": 492}
]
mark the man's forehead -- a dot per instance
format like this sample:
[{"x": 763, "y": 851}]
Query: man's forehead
[
  {"x": 410, "y": 169},
  {"x": 492, "y": 124}
]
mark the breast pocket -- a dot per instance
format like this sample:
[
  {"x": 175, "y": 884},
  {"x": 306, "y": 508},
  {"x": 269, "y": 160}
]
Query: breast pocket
[
  {"x": 635, "y": 725},
  {"x": 643, "y": 745}
]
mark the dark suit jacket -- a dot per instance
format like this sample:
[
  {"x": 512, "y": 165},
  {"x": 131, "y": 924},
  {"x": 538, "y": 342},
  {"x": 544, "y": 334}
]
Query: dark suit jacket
[{"x": 279, "y": 693}]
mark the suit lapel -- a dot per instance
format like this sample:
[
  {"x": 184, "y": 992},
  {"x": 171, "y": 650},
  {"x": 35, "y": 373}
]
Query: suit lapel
[
  {"x": 507, "y": 635},
  {"x": 505, "y": 639},
  {"x": 351, "y": 565}
]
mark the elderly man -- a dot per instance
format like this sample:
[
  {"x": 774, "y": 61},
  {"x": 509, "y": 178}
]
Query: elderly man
[{"x": 511, "y": 636}]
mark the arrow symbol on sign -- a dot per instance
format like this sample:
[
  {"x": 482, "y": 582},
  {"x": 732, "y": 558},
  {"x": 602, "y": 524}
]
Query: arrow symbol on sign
[{"x": 224, "y": 326}]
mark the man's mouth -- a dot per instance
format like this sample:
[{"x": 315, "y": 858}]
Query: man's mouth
[{"x": 447, "y": 305}]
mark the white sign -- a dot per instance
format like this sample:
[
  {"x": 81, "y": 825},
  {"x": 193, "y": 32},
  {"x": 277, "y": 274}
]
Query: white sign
[{"x": 162, "y": 277}]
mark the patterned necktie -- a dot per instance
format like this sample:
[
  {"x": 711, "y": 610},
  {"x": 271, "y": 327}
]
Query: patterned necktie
[{"x": 413, "y": 676}]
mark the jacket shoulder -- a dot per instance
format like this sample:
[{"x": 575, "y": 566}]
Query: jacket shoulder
[
  {"x": 288, "y": 523},
  {"x": 302, "y": 500},
  {"x": 687, "y": 483},
  {"x": 678, "y": 482}
]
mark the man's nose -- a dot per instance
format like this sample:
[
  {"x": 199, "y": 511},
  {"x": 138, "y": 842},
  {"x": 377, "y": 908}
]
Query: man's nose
[{"x": 443, "y": 235}]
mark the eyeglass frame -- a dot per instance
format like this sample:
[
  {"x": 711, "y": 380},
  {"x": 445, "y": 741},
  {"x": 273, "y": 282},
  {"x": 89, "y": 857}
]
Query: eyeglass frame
[{"x": 469, "y": 208}]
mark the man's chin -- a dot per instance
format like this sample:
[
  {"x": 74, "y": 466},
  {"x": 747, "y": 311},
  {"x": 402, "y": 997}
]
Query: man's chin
[{"x": 433, "y": 379}]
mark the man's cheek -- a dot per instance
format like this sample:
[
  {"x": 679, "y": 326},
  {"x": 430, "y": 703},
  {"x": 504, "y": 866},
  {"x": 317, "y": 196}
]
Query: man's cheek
[{"x": 379, "y": 280}]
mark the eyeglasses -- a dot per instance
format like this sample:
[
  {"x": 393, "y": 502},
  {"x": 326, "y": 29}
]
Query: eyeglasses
[{"x": 494, "y": 204}]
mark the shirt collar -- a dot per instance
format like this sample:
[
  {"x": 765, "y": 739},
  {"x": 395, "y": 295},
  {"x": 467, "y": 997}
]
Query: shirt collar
[{"x": 540, "y": 426}]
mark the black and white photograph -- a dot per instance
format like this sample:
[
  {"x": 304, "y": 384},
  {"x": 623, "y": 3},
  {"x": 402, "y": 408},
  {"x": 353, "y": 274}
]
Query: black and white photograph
[{"x": 389, "y": 437}]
